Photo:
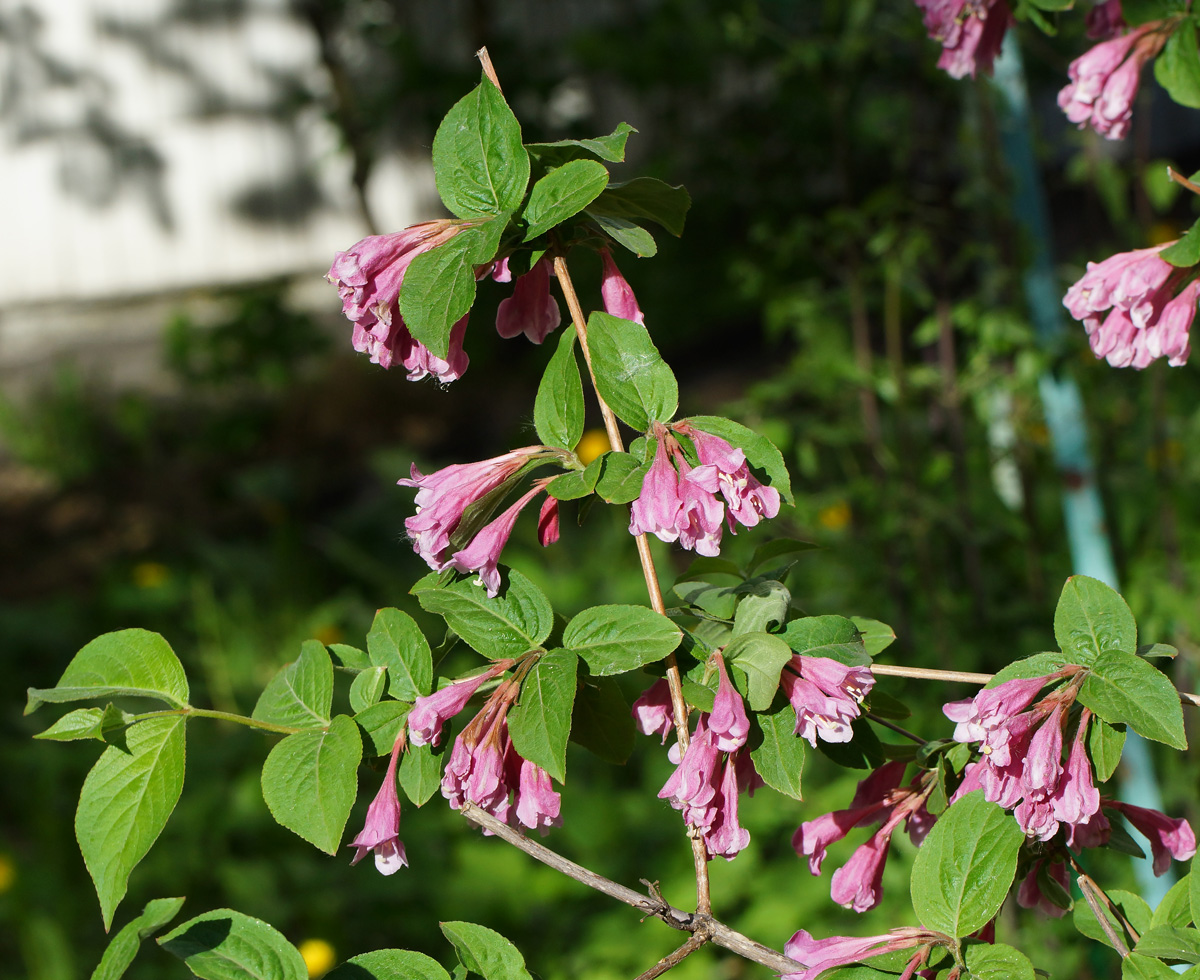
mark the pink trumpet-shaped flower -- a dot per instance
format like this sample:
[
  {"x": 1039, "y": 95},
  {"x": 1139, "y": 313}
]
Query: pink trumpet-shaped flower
[
  {"x": 1104, "y": 80},
  {"x": 991, "y": 708},
  {"x": 728, "y": 721},
  {"x": 726, "y": 837},
  {"x": 819, "y": 955},
  {"x": 548, "y": 522},
  {"x": 616, "y": 293},
  {"x": 747, "y": 499},
  {"x": 1077, "y": 800},
  {"x": 530, "y": 309},
  {"x": 1169, "y": 838},
  {"x": 538, "y": 806},
  {"x": 482, "y": 554},
  {"x": 699, "y": 521},
  {"x": 431, "y": 711},
  {"x": 970, "y": 31},
  {"x": 653, "y": 713},
  {"x": 381, "y": 832},
  {"x": 657, "y": 506},
  {"x": 825, "y": 695}
]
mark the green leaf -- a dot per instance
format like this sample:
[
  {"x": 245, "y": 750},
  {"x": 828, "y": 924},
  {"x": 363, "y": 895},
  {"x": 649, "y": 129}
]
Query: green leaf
[
  {"x": 764, "y": 603},
  {"x": 884, "y": 705},
  {"x": 876, "y": 636},
  {"x": 348, "y": 657},
  {"x": 479, "y": 164},
  {"x": 485, "y": 952},
  {"x": 1180, "y": 943},
  {"x": 777, "y": 548},
  {"x": 1185, "y": 252},
  {"x": 421, "y": 770},
  {"x": 1132, "y": 907},
  {"x": 759, "y": 450},
  {"x": 645, "y": 199},
  {"x": 1091, "y": 619},
  {"x": 630, "y": 374},
  {"x": 610, "y": 148},
  {"x": 1136, "y": 966},
  {"x": 1135, "y": 12},
  {"x": 439, "y": 285},
  {"x": 127, "y": 663},
  {"x": 562, "y": 194},
  {"x": 627, "y": 234},
  {"x": 718, "y": 599},
  {"x": 761, "y": 657},
  {"x": 576, "y": 484},
  {"x": 1123, "y": 688},
  {"x": 513, "y": 623},
  {"x": 227, "y": 945},
  {"x": 601, "y": 722},
  {"x": 125, "y": 944},
  {"x": 1178, "y": 69},
  {"x": 125, "y": 802},
  {"x": 780, "y": 757},
  {"x": 1175, "y": 909},
  {"x": 835, "y": 637},
  {"x": 1194, "y": 890},
  {"x": 389, "y": 964},
  {"x": 997, "y": 962},
  {"x": 614, "y": 639},
  {"x": 621, "y": 478},
  {"x": 1036, "y": 665},
  {"x": 301, "y": 694},
  {"x": 380, "y": 724},
  {"x": 964, "y": 869},
  {"x": 310, "y": 780},
  {"x": 1104, "y": 745},
  {"x": 397, "y": 643},
  {"x": 558, "y": 411},
  {"x": 87, "y": 723},
  {"x": 540, "y": 722},
  {"x": 367, "y": 688}
]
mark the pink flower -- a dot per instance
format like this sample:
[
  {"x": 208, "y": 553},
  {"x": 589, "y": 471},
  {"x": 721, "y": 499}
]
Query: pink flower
[
  {"x": 658, "y": 504},
  {"x": 1077, "y": 800},
  {"x": 1168, "y": 838},
  {"x": 484, "y": 550},
  {"x": 431, "y": 711},
  {"x": 444, "y": 495},
  {"x": 538, "y": 806},
  {"x": 1105, "y": 20},
  {"x": 548, "y": 522},
  {"x": 530, "y": 309},
  {"x": 991, "y": 708},
  {"x": 699, "y": 520},
  {"x": 616, "y": 293},
  {"x": 1030, "y": 894},
  {"x": 726, "y": 837},
  {"x": 747, "y": 499},
  {"x": 970, "y": 31},
  {"x": 1043, "y": 761},
  {"x": 819, "y": 955},
  {"x": 825, "y": 695},
  {"x": 381, "y": 832},
  {"x": 653, "y": 713},
  {"x": 728, "y": 721},
  {"x": 1104, "y": 80},
  {"x": 691, "y": 785}
]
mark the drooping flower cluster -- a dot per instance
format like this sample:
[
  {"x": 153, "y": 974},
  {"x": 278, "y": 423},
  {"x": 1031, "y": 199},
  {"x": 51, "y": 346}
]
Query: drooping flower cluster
[
  {"x": 819, "y": 955},
  {"x": 381, "y": 833},
  {"x": 1104, "y": 80},
  {"x": 826, "y": 695},
  {"x": 484, "y": 768},
  {"x": 704, "y": 790},
  {"x": 1152, "y": 307},
  {"x": 970, "y": 31},
  {"x": 437, "y": 529},
  {"x": 678, "y": 501},
  {"x": 858, "y": 884}
]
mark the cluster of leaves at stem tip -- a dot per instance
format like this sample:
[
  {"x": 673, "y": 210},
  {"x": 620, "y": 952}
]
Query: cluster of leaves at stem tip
[{"x": 764, "y": 683}]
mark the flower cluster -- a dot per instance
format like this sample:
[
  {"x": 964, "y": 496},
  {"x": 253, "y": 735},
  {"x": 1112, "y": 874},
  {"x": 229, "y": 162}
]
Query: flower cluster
[
  {"x": 1104, "y": 80},
  {"x": 970, "y": 31},
  {"x": 484, "y": 768},
  {"x": 1152, "y": 308},
  {"x": 443, "y": 497},
  {"x": 826, "y": 695},
  {"x": 858, "y": 884},
  {"x": 819, "y": 955},
  {"x": 381, "y": 833},
  {"x": 678, "y": 501},
  {"x": 706, "y": 792}
]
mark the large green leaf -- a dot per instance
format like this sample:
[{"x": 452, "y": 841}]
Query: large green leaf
[
  {"x": 540, "y": 722},
  {"x": 1092, "y": 618},
  {"x": 125, "y": 944},
  {"x": 1137, "y": 966},
  {"x": 627, "y": 234},
  {"x": 421, "y": 770},
  {"x": 645, "y": 199},
  {"x": 1178, "y": 67},
  {"x": 621, "y": 478},
  {"x": 601, "y": 722},
  {"x": 397, "y": 643},
  {"x": 780, "y": 757},
  {"x": 630, "y": 374},
  {"x": 125, "y": 802},
  {"x": 834, "y": 637},
  {"x": 228, "y": 945},
  {"x": 965, "y": 868},
  {"x": 760, "y": 451},
  {"x": 1133, "y": 907},
  {"x": 1104, "y": 745},
  {"x": 562, "y": 194},
  {"x": 484, "y": 952},
  {"x": 1124, "y": 688},
  {"x": 479, "y": 164},
  {"x": 380, "y": 724},
  {"x": 764, "y": 603},
  {"x": 987, "y": 961},
  {"x": 301, "y": 694},
  {"x": 130, "y": 663},
  {"x": 615, "y": 639},
  {"x": 310, "y": 780},
  {"x": 761, "y": 657},
  {"x": 389, "y": 964},
  {"x": 1185, "y": 252},
  {"x": 1180, "y": 943},
  {"x": 558, "y": 410},
  {"x": 610, "y": 148},
  {"x": 509, "y": 625}
]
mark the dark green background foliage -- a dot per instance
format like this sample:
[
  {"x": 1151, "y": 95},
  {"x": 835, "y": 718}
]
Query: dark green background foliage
[{"x": 848, "y": 284}]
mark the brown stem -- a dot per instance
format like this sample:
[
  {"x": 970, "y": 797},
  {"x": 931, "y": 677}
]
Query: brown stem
[
  {"x": 489, "y": 69},
  {"x": 1182, "y": 180},
  {"x": 1095, "y": 897},
  {"x": 678, "y": 704},
  {"x": 674, "y": 958},
  {"x": 896, "y": 728},
  {"x": 699, "y": 924}
]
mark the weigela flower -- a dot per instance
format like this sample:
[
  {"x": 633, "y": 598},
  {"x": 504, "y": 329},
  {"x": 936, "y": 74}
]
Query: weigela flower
[
  {"x": 826, "y": 696},
  {"x": 819, "y": 955},
  {"x": 970, "y": 31},
  {"x": 747, "y": 499},
  {"x": 653, "y": 713},
  {"x": 482, "y": 554},
  {"x": 431, "y": 711},
  {"x": 1169, "y": 838},
  {"x": 728, "y": 721},
  {"x": 381, "y": 833},
  {"x": 1104, "y": 80},
  {"x": 616, "y": 293},
  {"x": 530, "y": 309}
]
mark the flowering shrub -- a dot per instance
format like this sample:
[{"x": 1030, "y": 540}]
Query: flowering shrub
[{"x": 747, "y": 683}]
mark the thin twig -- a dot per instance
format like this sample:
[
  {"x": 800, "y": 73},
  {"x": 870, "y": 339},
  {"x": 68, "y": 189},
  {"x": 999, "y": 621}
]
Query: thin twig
[
  {"x": 1174, "y": 175},
  {"x": 674, "y": 958},
  {"x": 674, "y": 682},
  {"x": 896, "y": 728},
  {"x": 489, "y": 69},
  {"x": 1093, "y": 894}
]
